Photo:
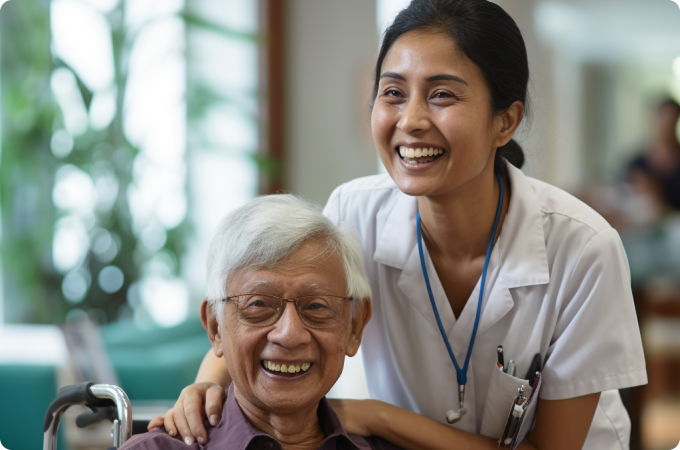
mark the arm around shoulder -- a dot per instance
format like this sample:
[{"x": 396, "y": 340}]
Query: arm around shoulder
[
  {"x": 214, "y": 370},
  {"x": 186, "y": 417},
  {"x": 560, "y": 425}
]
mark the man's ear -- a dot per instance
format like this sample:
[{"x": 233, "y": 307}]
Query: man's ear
[
  {"x": 361, "y": 317},
  {"x": 209, "y": 321},
  {"x": 507, "y": 123}
]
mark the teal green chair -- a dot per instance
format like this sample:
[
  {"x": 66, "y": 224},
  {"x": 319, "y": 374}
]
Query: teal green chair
[
  {"x": 152, "y": 364},
  {"x": 155, "y": 364},
  {"x": 25, "y": 393}
]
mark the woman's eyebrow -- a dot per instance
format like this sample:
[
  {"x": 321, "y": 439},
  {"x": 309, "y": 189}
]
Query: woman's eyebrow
[
  {"x": 446, "y": 78},
  {"x": 392, "y": 75},
  {"x": 442, "y": 77}
]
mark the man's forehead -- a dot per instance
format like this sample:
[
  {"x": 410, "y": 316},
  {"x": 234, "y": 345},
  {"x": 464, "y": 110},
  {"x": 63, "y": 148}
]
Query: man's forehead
[
  {"x": 263, "y": 284},
  {"x": 311, "y": 269}
]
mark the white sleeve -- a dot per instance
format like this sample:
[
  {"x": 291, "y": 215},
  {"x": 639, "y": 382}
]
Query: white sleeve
[
  {"x": 332, "y": 208},
  {"x": 596, "y": 344}
]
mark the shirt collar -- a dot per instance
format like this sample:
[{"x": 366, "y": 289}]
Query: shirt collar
[
  {"x": 235, "y": 429},
  {"x": 521, "y": 244},
  {"x": 522, "y": 240},
  {"x": 333, "y": 429}
]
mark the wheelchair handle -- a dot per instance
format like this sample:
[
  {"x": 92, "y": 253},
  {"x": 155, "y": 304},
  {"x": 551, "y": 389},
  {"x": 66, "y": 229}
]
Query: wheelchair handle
[{"x": 89, "y": 394}]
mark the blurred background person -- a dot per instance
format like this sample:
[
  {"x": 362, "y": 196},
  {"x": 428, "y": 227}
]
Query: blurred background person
[
  {"x": 649, "y": 185},
  {"x": 656, "y": 172}
]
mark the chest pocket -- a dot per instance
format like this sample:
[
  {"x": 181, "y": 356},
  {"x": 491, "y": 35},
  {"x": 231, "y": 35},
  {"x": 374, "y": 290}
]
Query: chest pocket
[{"x": 502, "y": 392}]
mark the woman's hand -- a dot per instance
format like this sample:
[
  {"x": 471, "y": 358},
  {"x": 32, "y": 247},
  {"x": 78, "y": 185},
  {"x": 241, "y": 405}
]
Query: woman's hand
[
  {"x": 356, "y": 415},
  {"x": 188, "y": 414},
  {"x": 560, "y": 424}
]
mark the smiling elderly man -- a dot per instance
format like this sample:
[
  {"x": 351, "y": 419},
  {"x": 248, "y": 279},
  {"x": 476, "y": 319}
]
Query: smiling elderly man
[{"x": 287, "y": 299}]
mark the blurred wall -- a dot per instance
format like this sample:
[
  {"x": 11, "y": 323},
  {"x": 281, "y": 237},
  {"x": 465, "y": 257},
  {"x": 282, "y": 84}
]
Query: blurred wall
[
  {"x": 551, "y": 134},
  {"x": 535, "y": 135},
  {"x": 597, "y": 69},
  {"x": 331, "y": 47}
]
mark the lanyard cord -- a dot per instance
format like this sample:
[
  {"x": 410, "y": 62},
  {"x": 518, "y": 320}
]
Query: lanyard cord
[{"x": 461, "y": 374}]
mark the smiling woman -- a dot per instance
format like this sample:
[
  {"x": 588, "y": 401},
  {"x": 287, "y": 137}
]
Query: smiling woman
[{"x": 496, "y": 63}]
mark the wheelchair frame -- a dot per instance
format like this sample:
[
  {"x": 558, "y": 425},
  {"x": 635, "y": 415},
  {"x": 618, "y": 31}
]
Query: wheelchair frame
[{"x": 101, "y": 399}]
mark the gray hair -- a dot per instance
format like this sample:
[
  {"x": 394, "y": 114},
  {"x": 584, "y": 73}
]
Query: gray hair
[{"x": 267, "y": 230}]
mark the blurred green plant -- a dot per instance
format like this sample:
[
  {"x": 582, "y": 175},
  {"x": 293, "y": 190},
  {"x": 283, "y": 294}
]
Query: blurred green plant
[
  {"x": 32, "y": 287},
  {"x": 30, "y": 116}
]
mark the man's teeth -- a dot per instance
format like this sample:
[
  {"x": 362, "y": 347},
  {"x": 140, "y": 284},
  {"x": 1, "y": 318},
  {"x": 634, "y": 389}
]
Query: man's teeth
[
  {"x": 407, "y": 152},
  {"x": 278, "y": 367}
]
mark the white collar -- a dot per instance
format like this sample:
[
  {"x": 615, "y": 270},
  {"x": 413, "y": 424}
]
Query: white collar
[
  {"x": 519, "y": 256},
  {"x": 521, "y": 244}
]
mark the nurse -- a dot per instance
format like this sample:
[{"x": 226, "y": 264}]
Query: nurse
[{"x": 466, "y": 253}]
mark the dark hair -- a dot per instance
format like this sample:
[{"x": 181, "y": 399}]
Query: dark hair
[
  {"x": 668, "y": 103},
  {"x": 487, "y": 35}
]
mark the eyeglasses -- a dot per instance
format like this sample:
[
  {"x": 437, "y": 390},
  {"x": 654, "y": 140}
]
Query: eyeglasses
[{"x": 315, "y": 311}]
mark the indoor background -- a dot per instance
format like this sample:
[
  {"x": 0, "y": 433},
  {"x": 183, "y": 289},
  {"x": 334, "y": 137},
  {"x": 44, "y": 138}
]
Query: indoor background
[{"x": 130, "y": 127}]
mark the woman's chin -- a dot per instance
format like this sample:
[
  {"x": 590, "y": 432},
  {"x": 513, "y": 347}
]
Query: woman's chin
[{"x": 414, "y": 187}]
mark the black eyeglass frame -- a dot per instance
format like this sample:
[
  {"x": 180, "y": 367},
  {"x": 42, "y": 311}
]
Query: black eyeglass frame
[{"x": 287, "y": 300}]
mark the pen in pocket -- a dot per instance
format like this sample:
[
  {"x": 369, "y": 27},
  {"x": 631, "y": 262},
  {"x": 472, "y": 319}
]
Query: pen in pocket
[{"x": 533, "y": 368}]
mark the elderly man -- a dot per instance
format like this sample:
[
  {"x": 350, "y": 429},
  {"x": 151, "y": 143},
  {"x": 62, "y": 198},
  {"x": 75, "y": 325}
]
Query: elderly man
[{"x": 287, "y": 299}]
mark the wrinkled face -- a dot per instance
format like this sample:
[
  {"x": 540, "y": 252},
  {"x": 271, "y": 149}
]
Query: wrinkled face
[
  {"x": 255, "y": 356},
  {"x": 432, "y": 121}
]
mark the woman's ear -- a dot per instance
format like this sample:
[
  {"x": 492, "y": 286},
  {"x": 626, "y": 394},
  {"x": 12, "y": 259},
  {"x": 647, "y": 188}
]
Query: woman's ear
[
  {"x": 361, "y": 317},
  {"x": 507, "y": 123},
  {"x": 209, "y": 321}
]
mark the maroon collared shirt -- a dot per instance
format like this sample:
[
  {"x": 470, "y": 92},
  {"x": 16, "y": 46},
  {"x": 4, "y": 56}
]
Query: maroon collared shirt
[{"x": 234, "y": 432}]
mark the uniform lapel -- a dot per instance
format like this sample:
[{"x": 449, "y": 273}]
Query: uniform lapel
[
  {"x": 522, "y": 242},
  {"x": 497, "y": 299},
  {"x": 397, "y": 247},
  {"x": 518, "y": 259},
  {"x": 412, "y": 283},
  {"x": 398, "y": 237}
]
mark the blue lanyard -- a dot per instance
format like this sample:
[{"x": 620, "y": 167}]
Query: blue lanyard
[{"x": 461, "y": 373}]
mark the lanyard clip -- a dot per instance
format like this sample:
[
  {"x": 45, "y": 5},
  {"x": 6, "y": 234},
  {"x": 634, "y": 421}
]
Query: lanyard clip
[{"x": 456, "y": 416}]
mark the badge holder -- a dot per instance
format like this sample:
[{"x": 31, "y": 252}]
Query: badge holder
[{"x": 516, "y": 416}]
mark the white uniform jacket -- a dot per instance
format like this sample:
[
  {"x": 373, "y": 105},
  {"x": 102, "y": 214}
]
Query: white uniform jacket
[{"x": 558, "y": 284}]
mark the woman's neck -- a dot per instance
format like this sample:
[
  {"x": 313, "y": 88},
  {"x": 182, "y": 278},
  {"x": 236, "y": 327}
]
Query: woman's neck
[
  {"x": 458, "y": 225},
  {"x": 300, "y": 430}
]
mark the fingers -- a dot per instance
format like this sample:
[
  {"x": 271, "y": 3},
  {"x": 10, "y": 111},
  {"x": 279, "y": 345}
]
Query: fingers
[
  {"x": 186, "y": 419},
  {"x": 194, "y": 413},
  {"x": 169, "y": 423},
  {"x": 156, "y": 422},
  {"x": 181, "y": 423},
  {"x": 214, "y": 401}
]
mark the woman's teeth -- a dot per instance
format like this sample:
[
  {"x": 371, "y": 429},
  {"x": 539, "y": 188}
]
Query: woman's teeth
[
  {"x": 283, "y": 368},
  {"x": 424, "y": 154}
]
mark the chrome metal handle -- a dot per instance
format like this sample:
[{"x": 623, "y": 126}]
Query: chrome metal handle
[
  {"x": 89, "y": 394},
  {"x": 124, "y": 428}
]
